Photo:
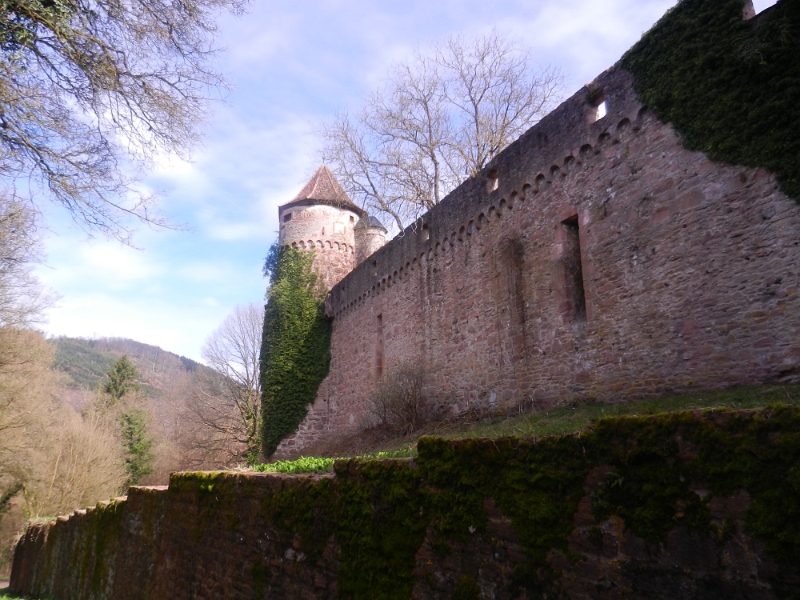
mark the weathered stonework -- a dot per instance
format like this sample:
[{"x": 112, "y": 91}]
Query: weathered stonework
[
  {"x": 329, "y": 232},
  {"x": 510, "y": 519},
  {"x": 370, "y": 236},
  {"x": 689, "y": 273}
]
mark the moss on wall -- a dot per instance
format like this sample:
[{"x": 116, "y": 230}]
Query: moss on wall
[
  {"x": 366, "y": 525},
  {"x": 84, "y": 556},
  {"x": 731, "y": 87},
  {"x": 657, "y": 459},
  {"x": 380, "y": 524},
  {"x": 379, "y": 512},
  {"x": 295, "y": 350}
]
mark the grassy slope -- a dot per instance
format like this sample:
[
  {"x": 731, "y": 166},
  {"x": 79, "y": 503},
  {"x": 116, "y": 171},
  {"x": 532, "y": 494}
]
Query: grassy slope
[{"x": 563, "y": 420}]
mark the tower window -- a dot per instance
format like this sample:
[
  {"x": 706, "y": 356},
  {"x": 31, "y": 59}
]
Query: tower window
[
  {"x": 287, "y": 217},
  {"x": 492, "y": 181},
  {"x": 352, "y": 219}
]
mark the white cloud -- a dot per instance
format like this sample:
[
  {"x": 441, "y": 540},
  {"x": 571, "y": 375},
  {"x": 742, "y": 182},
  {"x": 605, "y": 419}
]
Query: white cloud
[
  {"x": 293, "y": 65},
  {"x": 102, "y": 315},
  {"x": 101, "y": 264}
]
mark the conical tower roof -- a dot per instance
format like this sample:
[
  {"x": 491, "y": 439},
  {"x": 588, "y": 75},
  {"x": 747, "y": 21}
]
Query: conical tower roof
[{"x": 323, "y": 188}]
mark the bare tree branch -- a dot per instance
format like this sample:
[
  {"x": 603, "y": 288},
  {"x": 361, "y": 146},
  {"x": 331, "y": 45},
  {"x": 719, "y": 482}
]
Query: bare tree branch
[
  {"x": 87, "y": 85},
  {"x": 227, "y": 403},
  {"x": 440, "y": 119},
  {"x": 22, "y": 298}
]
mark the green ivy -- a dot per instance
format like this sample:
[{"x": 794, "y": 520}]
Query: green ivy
[
  {"x": 729, "y": 86},
  {"x": 295, "y": 350}
]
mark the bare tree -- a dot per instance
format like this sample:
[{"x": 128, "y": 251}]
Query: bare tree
[
  {"x": 87, "y": 84},
  {"x": 58, "y": 460},
  {"x": 227, "y": 402},
  {"x": 440, "y": 119},
  {"x": 22, "y": 297}
]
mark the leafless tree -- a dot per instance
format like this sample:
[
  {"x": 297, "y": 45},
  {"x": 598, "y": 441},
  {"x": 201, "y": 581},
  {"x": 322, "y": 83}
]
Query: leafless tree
[
  {"x": 398, "y": 402},
  {"x": 61, "y": 460},
  {"x": 227, "y": 402},
  {"x": 439, "y": 119},
  {"x": 22, "y": 297},
  {"x": 86, "y": 85}
]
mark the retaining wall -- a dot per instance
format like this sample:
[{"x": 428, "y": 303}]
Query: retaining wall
[{"x": 692, "y": 505}]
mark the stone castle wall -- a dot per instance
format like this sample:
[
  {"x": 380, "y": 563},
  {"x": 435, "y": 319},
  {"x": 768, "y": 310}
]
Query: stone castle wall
[
  {"x": 328, "y": 230},
  {"x": 608, "y": 263}
]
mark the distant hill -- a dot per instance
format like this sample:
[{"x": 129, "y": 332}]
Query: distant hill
[{"x": 86, "y": 362}]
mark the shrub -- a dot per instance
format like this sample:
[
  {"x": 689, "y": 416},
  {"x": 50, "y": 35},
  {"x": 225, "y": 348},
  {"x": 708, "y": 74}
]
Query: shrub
[{"x": 398, "y": 401}]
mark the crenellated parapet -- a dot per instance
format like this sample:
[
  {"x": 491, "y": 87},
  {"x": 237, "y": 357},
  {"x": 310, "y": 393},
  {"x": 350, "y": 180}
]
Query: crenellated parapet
[
  {"x": 600, "y": 256},
  {"x": 556, "y": 149}
]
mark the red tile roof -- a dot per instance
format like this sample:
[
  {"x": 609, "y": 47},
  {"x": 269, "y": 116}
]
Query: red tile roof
[{"x": 323, "y": 188}]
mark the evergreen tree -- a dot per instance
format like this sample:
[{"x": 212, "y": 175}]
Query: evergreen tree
[
  {"x": 138, "y": 456},
  {"x": 119, "y": 391},
  {"x": 121, "y": 379}
]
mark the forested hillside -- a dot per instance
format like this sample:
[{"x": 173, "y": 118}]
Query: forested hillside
[
  {"x": 86, "y": 361},
  {"x": 69, "y": 438},
  {"x": 173, "y": 388}
]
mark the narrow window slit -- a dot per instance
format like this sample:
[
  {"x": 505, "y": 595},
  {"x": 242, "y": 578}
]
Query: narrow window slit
[
  {"x": 379, "y": 363},
  {"x": 573, "y": 269}
]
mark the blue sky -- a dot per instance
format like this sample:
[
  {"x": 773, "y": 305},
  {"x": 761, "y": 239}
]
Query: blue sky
[{"x": 293, "y": 65}]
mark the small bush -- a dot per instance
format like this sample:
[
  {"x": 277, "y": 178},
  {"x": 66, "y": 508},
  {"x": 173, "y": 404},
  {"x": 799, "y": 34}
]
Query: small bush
[
  {"x": 398, "y": 401},
  {"x": 313, "y": 464}
]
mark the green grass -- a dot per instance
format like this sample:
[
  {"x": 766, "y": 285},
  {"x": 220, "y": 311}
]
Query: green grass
[
  {"x": 562, "y": 420},
  {"x": 6, "y": 595},
  {"x": 578, "y": 416}
]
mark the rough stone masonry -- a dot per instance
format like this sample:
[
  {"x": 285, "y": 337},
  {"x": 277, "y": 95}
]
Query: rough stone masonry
[
  {"x": 686, "y": 506},
  {"x": 595, "y": 258}
]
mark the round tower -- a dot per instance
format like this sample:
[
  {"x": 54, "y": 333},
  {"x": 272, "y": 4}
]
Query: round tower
[
  {"x": 322, "y": 218},
  {"x": 370, "y": 235}
]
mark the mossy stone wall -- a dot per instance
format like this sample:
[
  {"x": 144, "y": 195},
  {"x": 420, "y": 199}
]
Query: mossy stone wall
[
  {"x": 686, "y": 505},
  {"x": 684, "y": 196}
]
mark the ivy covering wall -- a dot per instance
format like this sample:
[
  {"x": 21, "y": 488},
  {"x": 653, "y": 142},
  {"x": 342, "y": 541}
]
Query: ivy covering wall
[
  {"x": 730, "y": 86},
  {"x": 295, "y": 349}
]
